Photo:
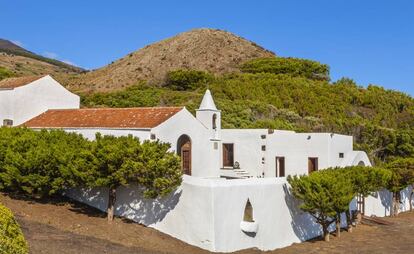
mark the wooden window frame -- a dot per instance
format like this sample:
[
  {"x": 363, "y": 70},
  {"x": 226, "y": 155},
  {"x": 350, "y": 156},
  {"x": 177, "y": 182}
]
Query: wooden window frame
[
  {"x": 278, "y": 171},
  {"x": 223, "y": 159},
  {"x": 315, "y": 164}
]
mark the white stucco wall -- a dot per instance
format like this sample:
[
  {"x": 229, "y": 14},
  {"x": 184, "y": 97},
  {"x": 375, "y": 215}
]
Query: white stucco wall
[
  {"x": 6, "y": 105},
  {"x": 23, "y": 103},
  {"x": 207, "y": 212},
  {"x": 204, "y": 157},
  {"x": 295, "y": 147},
  {"x": 380, "y": 203}
]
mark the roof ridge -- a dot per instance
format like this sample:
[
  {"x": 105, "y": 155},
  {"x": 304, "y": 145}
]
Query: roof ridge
[{"x": 109, "y": 108}]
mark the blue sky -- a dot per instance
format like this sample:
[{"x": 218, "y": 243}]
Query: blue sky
[{"x": 369, "y": 41}]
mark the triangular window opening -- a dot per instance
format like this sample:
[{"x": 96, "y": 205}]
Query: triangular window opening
[{"x": 248, "y": 212}]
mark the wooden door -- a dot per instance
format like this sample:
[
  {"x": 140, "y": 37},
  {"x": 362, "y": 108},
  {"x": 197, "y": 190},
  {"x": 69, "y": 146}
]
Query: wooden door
[
  {"x": 228, "y": 155},
  {"x": 186, "y": 158},
  {"x": 312, "y": 164}
]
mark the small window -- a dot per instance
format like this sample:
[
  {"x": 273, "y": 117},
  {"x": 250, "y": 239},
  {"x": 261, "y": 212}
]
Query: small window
[
  {"x": 248, "y": 212},
  {"x": 153, "y": 136},
  {"x": 8, "y": 122},
  {"x": 312, "y": 164},
  {"x": 215, "y": 145},
  {"x": 280, "y": 166},
  {"x": 263, "y": 148},
  {"x": 228, "y": 155},
  {"x": 214, "y": 124},
  {"x": 263, "y": 136},
  {"x": 341, "y": 155}
]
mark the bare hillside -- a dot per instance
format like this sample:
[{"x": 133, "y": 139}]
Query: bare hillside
[
  {"x": 25, "y": 63},
  {"x": 212, "y": 50}
]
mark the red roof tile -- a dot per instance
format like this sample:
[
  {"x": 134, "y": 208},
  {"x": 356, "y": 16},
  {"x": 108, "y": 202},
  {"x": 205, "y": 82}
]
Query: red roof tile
[
  {"x": 124, "y": 118},
  {"x": 11, "y": 83}
]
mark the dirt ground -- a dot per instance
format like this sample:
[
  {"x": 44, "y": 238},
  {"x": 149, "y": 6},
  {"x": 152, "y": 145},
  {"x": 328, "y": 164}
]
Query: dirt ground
[{"x": 61, "y": 226}]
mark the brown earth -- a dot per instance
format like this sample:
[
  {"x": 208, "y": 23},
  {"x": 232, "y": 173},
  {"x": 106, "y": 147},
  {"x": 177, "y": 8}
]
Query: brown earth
[
  {"x": 26, "y": 66},
  {"x": 61, "y": 226},
  {"x": 25, "y": 63},
  {"x": 211, "y": 50}
]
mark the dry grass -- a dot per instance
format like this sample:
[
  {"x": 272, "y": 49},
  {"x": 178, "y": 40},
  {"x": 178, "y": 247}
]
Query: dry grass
[{"x": 201, "y": 49}]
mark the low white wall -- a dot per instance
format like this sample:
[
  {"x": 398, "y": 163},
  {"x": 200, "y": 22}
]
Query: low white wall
[
  {"x": 207, "y": 212},
  {"x": 380, "y": 203}
]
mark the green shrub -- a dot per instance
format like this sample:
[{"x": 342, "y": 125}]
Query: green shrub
[
  {"x": 11, "y": 237},
  {"x": 183, "y": 80},
  {"x": 292, "y": 66},
  {"x": 5, "y": 73}
]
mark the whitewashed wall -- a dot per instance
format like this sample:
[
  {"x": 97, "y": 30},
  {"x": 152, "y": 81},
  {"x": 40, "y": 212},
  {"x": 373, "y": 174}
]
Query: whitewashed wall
[
  {"x": 380, "y": 203},
  {"x": 207, "y": 212},
  {"x": 25, "y": 102},
  {"x": 6, "y": 105},
  {"x": 295, "y": 147},
  {"x": 205, "y": 158}
]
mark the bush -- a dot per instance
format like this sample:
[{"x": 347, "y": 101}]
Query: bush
[
  {"x": 183, "y": 80},
  {"x": 5, "y": 73},
  {"x": 41, "y": 163},
  {"x": 11, "y": 237},
  {"x": 292, "y": 66}
]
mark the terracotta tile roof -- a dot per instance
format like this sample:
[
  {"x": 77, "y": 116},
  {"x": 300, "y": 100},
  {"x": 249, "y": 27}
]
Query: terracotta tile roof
[
  {"x": 11, "y": 83},
  {"x": 123, "y": 118}
]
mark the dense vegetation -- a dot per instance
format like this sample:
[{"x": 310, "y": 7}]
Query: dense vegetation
[
  {"x": 42, "y": 163},
  {"x": 11, "y": 237},
  {"x": 328, "y": 193},
  {"x": 286, "y": 93},
  {"x": 5, "y": 73}
]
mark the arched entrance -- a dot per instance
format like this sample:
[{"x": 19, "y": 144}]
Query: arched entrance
[{"x": 184, "y": 151}]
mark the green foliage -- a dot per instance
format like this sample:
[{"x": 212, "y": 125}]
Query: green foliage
[
  {"x": 381, "y": 121},
  {"x": 291, "y": 66},
  {"x": 121, "y": 160},
  {"x": 5, "y": 73},
  {"x": 323, "y": 193},
  {"x": 41, "y": 163},
  {"x": 367, "y": 180},
  {"x": 183, "y": 80},
  {"x": 402, "y": 174},
  {"x": 11, "y": 237}
]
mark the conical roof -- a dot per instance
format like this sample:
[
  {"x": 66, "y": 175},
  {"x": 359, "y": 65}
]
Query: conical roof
[{"x": 207, "y": 103}]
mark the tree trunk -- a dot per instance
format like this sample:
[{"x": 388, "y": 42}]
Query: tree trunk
[
  {"x": 411, "y": 198},
  {"x": 338, "y": 225},
  {"x": 325, "y": 232},
  {"x": 395, "y": 204},
  {"x": 111, "y": 203},
  {"x": 348, "y": 221}
]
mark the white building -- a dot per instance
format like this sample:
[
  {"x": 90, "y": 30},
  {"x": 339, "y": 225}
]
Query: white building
[
  {"x": 229, "y": 174},
  {"x": 24, "y": 98}
]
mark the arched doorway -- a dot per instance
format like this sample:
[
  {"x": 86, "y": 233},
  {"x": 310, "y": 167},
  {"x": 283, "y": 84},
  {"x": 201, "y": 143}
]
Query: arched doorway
[
  {"x": 361, "y": 163},
  {"x": 184, "y": 151}
]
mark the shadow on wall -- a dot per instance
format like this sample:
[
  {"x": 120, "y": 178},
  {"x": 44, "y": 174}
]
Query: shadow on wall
[
  {"x": 95, "y": 197},
  {"x": 303, "y": 223},
  {"x": 386, "y": 200},
  {"x": 132, "y": 205}
]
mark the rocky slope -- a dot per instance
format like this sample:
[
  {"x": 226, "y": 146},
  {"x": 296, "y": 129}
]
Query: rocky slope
[{"x": 211, "y": 50}]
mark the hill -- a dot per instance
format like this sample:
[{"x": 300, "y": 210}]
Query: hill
[
  {"x": 286, "y": 93},
  {"x": 210, "y": 50},
  {"x": 21, "y": 62}
]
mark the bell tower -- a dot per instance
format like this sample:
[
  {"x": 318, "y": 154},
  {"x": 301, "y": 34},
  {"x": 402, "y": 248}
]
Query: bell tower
[{"x": 209, "y": 115}]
